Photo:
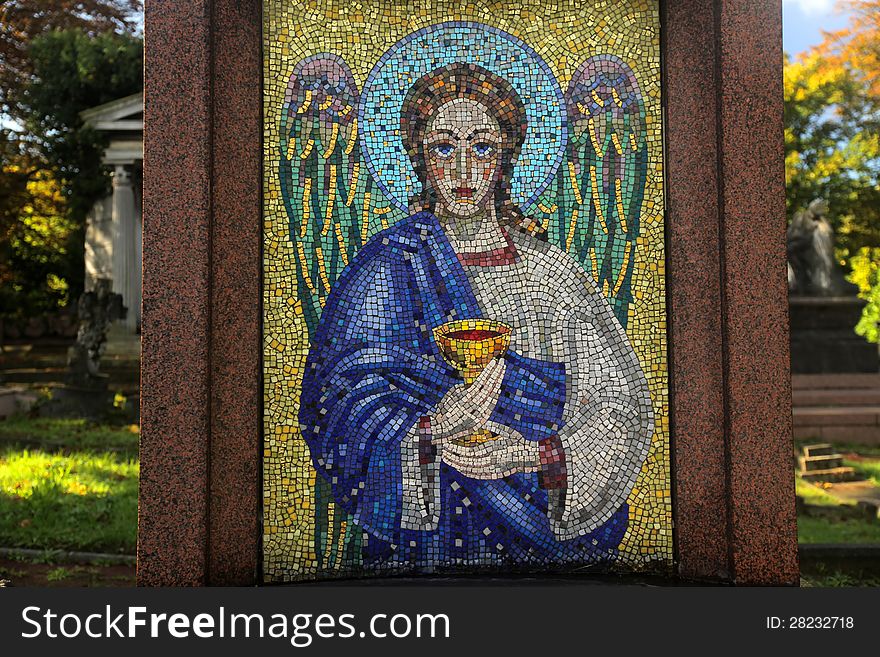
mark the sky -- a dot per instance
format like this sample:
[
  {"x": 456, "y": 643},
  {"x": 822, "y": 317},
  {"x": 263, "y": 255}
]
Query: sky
[{"x": 804, "y": 20}]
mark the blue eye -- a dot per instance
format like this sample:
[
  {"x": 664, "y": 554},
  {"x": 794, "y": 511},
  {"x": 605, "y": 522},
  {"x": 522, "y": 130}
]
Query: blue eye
[
  {"x": 483, "y": 149},
  {"x": 443, "y": 150}
]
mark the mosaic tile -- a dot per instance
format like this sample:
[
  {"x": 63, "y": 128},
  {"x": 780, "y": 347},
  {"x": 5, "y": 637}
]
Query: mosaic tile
[{"x": 465, "y": 358}]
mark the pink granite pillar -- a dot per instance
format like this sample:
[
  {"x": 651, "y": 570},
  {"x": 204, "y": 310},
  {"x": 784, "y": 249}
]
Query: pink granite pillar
[
  {"x": 731, "y": 399},
  {"x": 199, "y": 515},
  {"x": 763, "y": 525},
  {"x": 175, "y": 371}
]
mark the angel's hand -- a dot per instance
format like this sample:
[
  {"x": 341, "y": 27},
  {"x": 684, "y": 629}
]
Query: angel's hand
[
  {"x": 466, "y": 408},
  {"x": 507, "y": 454}
]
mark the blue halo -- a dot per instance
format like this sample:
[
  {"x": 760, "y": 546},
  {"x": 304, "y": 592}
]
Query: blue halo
[{"x": 438, "y": 45}]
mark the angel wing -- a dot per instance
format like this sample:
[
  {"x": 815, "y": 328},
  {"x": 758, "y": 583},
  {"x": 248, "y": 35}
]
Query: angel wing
[
  {"x": 334, "y": 207},
  {"x": 320, "y": 177},
  {"x": 333, "y": 204},
  {"x": 592, "y": 209}
]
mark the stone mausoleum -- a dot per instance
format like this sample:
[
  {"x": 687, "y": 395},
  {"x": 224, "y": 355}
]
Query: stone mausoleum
[{"x": 114, "y": 230}]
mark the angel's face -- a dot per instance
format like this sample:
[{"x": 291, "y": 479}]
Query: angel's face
[{"x": 461, "y": 149}]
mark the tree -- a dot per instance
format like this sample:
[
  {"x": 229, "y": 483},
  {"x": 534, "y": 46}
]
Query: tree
[
  {"x": 832, "y": 140},
  {"x": 833, "y": 148},
  {"x": 866, "y": 274},
  {"x": 48, "y": 178},
  {"x": 857, "y": 46},
  {"x": 22, "y": 21},
  {"x": 36, "y": 236},
  {"x": 74, "y": 71},
  {"x": 51, "y": 175}
]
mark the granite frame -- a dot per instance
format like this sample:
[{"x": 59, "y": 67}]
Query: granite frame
[{"x": 201, "y": 388}]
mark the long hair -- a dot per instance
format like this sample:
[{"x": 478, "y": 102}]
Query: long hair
[{"x": 474, "y": 83}]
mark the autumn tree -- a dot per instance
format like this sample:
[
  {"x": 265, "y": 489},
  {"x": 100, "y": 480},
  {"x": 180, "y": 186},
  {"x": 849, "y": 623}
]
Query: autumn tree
[
  {"x": 36, "y": 236},
  {"x": 832, "y": 139},
  {"x": 23, "y": 21},
  {"x": 832, "y": 147},
  {"x": 857, "y": 46},
  {"x": 50, "y": 167},
  {"x": 75, "y": 71}
]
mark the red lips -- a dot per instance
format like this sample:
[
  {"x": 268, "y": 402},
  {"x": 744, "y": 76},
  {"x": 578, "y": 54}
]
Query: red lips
[{"x": 464, "y": 192}]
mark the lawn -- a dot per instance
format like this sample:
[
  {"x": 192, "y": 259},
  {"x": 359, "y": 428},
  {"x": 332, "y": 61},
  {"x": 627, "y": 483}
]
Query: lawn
[
  {"x": 813, "y": 494},
  {"x": 848, "y": 530},
  {"x": 68, "y": 433},
  {"x": 828, "y": 529},
  {"x": 69, "y": 485},
  {"x": 838, "y": 579},
  {"x": 868, "y": 469}
]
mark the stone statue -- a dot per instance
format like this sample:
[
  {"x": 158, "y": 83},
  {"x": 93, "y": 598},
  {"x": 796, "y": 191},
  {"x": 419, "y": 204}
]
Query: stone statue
[
  {"x": 810, "y": 246},
  {"x": 96, "y": 310}
]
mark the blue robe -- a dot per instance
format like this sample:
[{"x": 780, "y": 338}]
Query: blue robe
[{"x": 374, "y": 370}]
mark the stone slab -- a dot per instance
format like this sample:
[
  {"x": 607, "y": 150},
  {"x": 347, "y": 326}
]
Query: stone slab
[
  {"x": 860, "y": 435},
  {"x": 827, "y": 462},
  {"x": 820, "y": 449},
  {"x": 835, "y": 475},
  {"x": 830, "y": 416},
  {"x": 834, "y": 381},
  {"x": 840, "y": 397},
  {"x": 731, "y": 400}
]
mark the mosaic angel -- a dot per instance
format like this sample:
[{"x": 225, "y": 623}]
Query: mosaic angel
[{"x": 524, "y": 450}]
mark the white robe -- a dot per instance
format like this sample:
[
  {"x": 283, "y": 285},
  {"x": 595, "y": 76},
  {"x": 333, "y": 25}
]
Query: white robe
[{"x": 557, "y": 314}]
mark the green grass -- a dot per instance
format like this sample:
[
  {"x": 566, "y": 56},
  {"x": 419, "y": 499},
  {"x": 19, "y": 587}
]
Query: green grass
[
  {"x": 845, "y": 530},
  {"x": 864, "y": 450},
  {"x": 68, "y": 484},
  {"x": 842, "y": 448},
  {"x": 836, "y": 530},
  {"x": 70, "y": 500},
  {"x": 72, "y": 434},
  {"x": 58, "y": 574},
  {"x": 839, "y": 579},
  {"x": 813, "y": 494},
  {"x": 868, "y": 469},
  {"x": 839, "y": 530}
]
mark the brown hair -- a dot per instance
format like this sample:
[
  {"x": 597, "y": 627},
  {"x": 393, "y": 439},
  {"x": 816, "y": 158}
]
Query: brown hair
[{"x": 475, "y": 83}]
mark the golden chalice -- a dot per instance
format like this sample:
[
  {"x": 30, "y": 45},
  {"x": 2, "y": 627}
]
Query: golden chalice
[{"x": 469, "y": 345}]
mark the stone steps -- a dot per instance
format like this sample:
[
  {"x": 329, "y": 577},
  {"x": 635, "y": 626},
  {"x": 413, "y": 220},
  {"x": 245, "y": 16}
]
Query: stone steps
[
  {"x": 836, "y": 407},
  {"x": 14, "y": 401},
  {"x": 819, "y": 463},
  {"x": 822, "y": 449},
  {"x": 833, "y": 475}
]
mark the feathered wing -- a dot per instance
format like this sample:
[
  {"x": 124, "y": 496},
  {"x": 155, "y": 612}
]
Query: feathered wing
[
  {"x": 334, "y": 207},
  {"x": 326, "y": 192},
  {"x": 333, "y": 204},
  {"x": 320, "y": 175},
  {"x": 593, "y": 207}
]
